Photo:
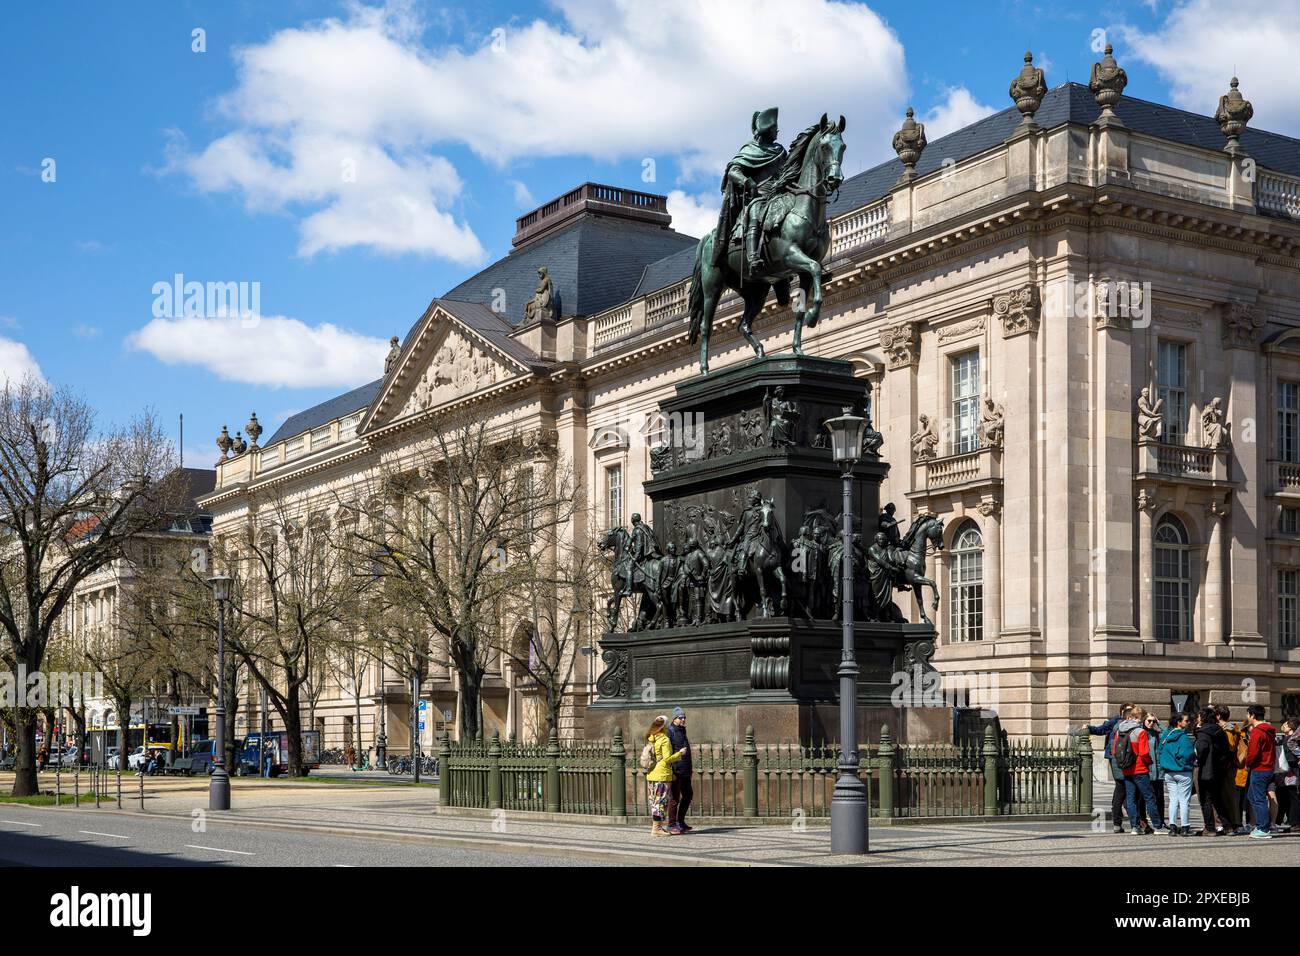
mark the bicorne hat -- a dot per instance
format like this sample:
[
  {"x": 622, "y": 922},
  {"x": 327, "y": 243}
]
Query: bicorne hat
[{"x": 764, "y": 121}]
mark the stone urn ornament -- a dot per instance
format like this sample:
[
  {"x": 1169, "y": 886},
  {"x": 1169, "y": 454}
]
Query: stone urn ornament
[
  {"x": 1107, "y": 84},
  {"x": 1233, "y": 114},
  {"x": 253, "y": 430},
  {"x": 1028, "y": 89},
  {"x": 224, "y": 442},
  {"x": 909, "y": 143}
]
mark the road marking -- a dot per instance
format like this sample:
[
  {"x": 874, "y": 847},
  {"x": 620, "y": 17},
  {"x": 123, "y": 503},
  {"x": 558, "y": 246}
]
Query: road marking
[
  {"x": 115, "y": 836},
  {"x": 21, "y": 823},
  {"x": 217, "y": 849}
]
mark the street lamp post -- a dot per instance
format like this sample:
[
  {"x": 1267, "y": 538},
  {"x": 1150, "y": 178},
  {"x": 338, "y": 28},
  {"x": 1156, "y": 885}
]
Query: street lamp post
[
  {"x": 219, "y": 790},
  {"x": 849, "y": 799}
]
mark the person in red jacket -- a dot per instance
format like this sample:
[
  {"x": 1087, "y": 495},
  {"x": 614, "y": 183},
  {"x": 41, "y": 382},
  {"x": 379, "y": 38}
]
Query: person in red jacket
[
  {"x": 1137, "y": 775},
  {"x": 1261, "y": 760}
]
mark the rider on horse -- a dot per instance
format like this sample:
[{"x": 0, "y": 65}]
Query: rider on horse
[
  {"x": 749, "y": 529},
  {"x": 757, "y": 161}
]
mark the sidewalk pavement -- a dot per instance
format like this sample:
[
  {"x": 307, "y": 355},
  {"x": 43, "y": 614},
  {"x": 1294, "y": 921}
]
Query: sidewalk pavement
[{"x": 409, "y": 815}]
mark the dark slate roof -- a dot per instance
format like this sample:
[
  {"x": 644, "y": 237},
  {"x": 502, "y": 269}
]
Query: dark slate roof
[
  {"x": 336, "y": 407},
  {"x": 199, "y": 482},
  {"x": 1068, "y": 103},
  {"x": 595, "y": 263}
]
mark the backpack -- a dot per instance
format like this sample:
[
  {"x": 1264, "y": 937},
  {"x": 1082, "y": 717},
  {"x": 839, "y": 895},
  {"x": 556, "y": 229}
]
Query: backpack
[
  {"x": 648, "y": 761},
  {"x": 1243, "y": 748},
  {"x": 1122, "y": 751}
]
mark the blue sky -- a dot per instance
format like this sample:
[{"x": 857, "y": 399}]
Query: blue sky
[{"x": 233, "y": 164}]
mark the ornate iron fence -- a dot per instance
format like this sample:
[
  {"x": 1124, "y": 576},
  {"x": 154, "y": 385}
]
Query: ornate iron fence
[{"x": 601, "y": 778}]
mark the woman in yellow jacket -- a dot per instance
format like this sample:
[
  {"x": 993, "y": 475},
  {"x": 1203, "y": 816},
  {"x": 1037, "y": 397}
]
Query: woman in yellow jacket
[{"x": 659, "y": 780}]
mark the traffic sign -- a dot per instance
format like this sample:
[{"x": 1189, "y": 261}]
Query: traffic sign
[
  {"x": 183, "y": 711},
  {"x": 424, "y": 705},
  {"x": 422, "y": 726}
]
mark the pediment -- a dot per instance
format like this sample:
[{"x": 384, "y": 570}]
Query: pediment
[{"x": 444, "y": 361}]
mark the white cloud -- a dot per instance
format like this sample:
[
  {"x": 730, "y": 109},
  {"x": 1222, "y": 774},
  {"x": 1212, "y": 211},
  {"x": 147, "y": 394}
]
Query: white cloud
[
  {"x": 16, "y": 362},
  {"x": 693, "y": 215},
  {"x": 1199, "y": 48},
  {"x": 608, "y": 79},
  {"x": 267, "y": 350},
  {"x": 958, "y": 110},
  {"x": 523, "y": 195}
]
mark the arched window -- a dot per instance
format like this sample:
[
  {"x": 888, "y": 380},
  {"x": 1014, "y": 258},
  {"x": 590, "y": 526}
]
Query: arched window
[
  {"x": 966, "y": 585},
  {"x": 1173, "y": 581}
]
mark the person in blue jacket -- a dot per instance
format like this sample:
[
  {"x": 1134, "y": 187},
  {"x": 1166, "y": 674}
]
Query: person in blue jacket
[
  {"x": 1118, "y": 798},
  {"x": 1177, "y": 762}
]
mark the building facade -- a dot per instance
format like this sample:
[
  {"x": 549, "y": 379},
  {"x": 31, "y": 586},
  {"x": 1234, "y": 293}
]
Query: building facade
[{"x": 1008, "y": 291}]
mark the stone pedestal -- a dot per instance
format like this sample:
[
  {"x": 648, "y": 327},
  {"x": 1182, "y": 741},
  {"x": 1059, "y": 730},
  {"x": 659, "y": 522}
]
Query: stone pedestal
[{"x": 774, "y": 669}]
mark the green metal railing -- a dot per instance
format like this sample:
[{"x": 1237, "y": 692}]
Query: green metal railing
[{"x": 747, "y": 779}]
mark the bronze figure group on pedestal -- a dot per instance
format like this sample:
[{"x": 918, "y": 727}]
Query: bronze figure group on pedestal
[{"x": 720, "y": 577}]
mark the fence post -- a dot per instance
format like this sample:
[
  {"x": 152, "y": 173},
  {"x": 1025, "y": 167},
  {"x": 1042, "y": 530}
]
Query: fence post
[
  {"x": 552, "y": 794},
  {"x": 494, "y": 772},
  {"x": 749, "y": 782},
  {"x": 445, "y": 769},
  {"x": 142, "y": 791},
  {"x": 1084, "y": 793},
  {"x": 888, "y": 785},
  {"x": 618, "y": 776},
  {"x": 990, "y": 773}
]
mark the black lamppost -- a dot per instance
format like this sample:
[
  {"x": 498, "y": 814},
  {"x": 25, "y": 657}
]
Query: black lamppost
[
  {"x": 381, "y": 742},
  {"x": 219, "y": 790},
  {"x": 849, "y": 802}
]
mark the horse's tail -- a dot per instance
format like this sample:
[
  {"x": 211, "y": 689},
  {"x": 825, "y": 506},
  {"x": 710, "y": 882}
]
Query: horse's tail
[{"x": 697, "y": 290}]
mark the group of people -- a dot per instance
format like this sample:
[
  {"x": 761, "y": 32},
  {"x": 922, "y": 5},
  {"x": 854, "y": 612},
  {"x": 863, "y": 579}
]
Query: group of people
[
  {"x": 666, "y": 759},
  {"x": 1247, "y": 776}
]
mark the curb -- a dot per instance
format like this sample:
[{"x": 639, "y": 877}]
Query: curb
[{"x": 500, "y": 845}]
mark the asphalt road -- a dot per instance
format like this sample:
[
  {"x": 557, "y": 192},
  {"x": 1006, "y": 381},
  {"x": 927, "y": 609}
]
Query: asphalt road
[{"x": 31, "y": 837}]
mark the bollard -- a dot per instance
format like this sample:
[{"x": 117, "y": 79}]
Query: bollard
[
  {"x": 444, "y": 769},
  {"x": 749, "y": 759},
  {"x": 552, "y": 788},
  {"x": 494, "y": 772},
  {"x": 1085, "y": 773},
  {"x": 99, "y": 783},
  {"x": 618, "y": 775},
  {"x": 76, "y": 785},
  {"x": 58, "y": 781},
  {"x": 119, "y": 788},
  {"x": 142, "y": 791},
  {"x": 990, "y": 773},
  {"x": 885, "y": 759}
]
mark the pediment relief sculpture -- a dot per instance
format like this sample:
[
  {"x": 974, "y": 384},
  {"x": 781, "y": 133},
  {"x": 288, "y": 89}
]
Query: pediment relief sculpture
[{"x": 458, "y": 368}]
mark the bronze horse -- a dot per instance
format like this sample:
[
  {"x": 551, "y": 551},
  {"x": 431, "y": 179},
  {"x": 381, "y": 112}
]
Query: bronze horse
[
  {"x": 925, "y": 530},
  {"x": 793, "y": 246},
  {"x": 764, "y": 558},
  {"x": 629, "y": 578}
]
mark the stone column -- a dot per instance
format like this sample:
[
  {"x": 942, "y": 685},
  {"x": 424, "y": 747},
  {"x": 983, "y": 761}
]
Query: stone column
[
  {"x": 1018, "y": 312},
  {"x": 992, "y": 531},
  {"x": 1242, "y": 327},
  {"x": 1146, "y": 622},
  {"x": 1215, "y": 584}
]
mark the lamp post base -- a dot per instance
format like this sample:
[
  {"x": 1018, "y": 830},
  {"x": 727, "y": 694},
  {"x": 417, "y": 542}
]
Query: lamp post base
[
  {"x": 219, "y": 790},
  {"x": 849, "y": 815}
]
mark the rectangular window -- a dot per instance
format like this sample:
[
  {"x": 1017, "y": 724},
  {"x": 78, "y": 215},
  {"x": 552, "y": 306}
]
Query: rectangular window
[
  {"x": 1286, "y": 607},
  {"x": 1288, "y": 421},
  {"x": 614, "y": 496},
  {"x": 1171, "y": 388},
  {"x": 1289, "y": 522},
  {"x": 965, "y": 402}
]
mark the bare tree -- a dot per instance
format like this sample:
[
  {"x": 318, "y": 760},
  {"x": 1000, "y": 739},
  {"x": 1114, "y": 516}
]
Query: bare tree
[
  {"x": 295, "y": 586},
  {"x": 70, "y": 499},
  {"x": 445, "y": 527},
  {"x": 556, "y": 596}
]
